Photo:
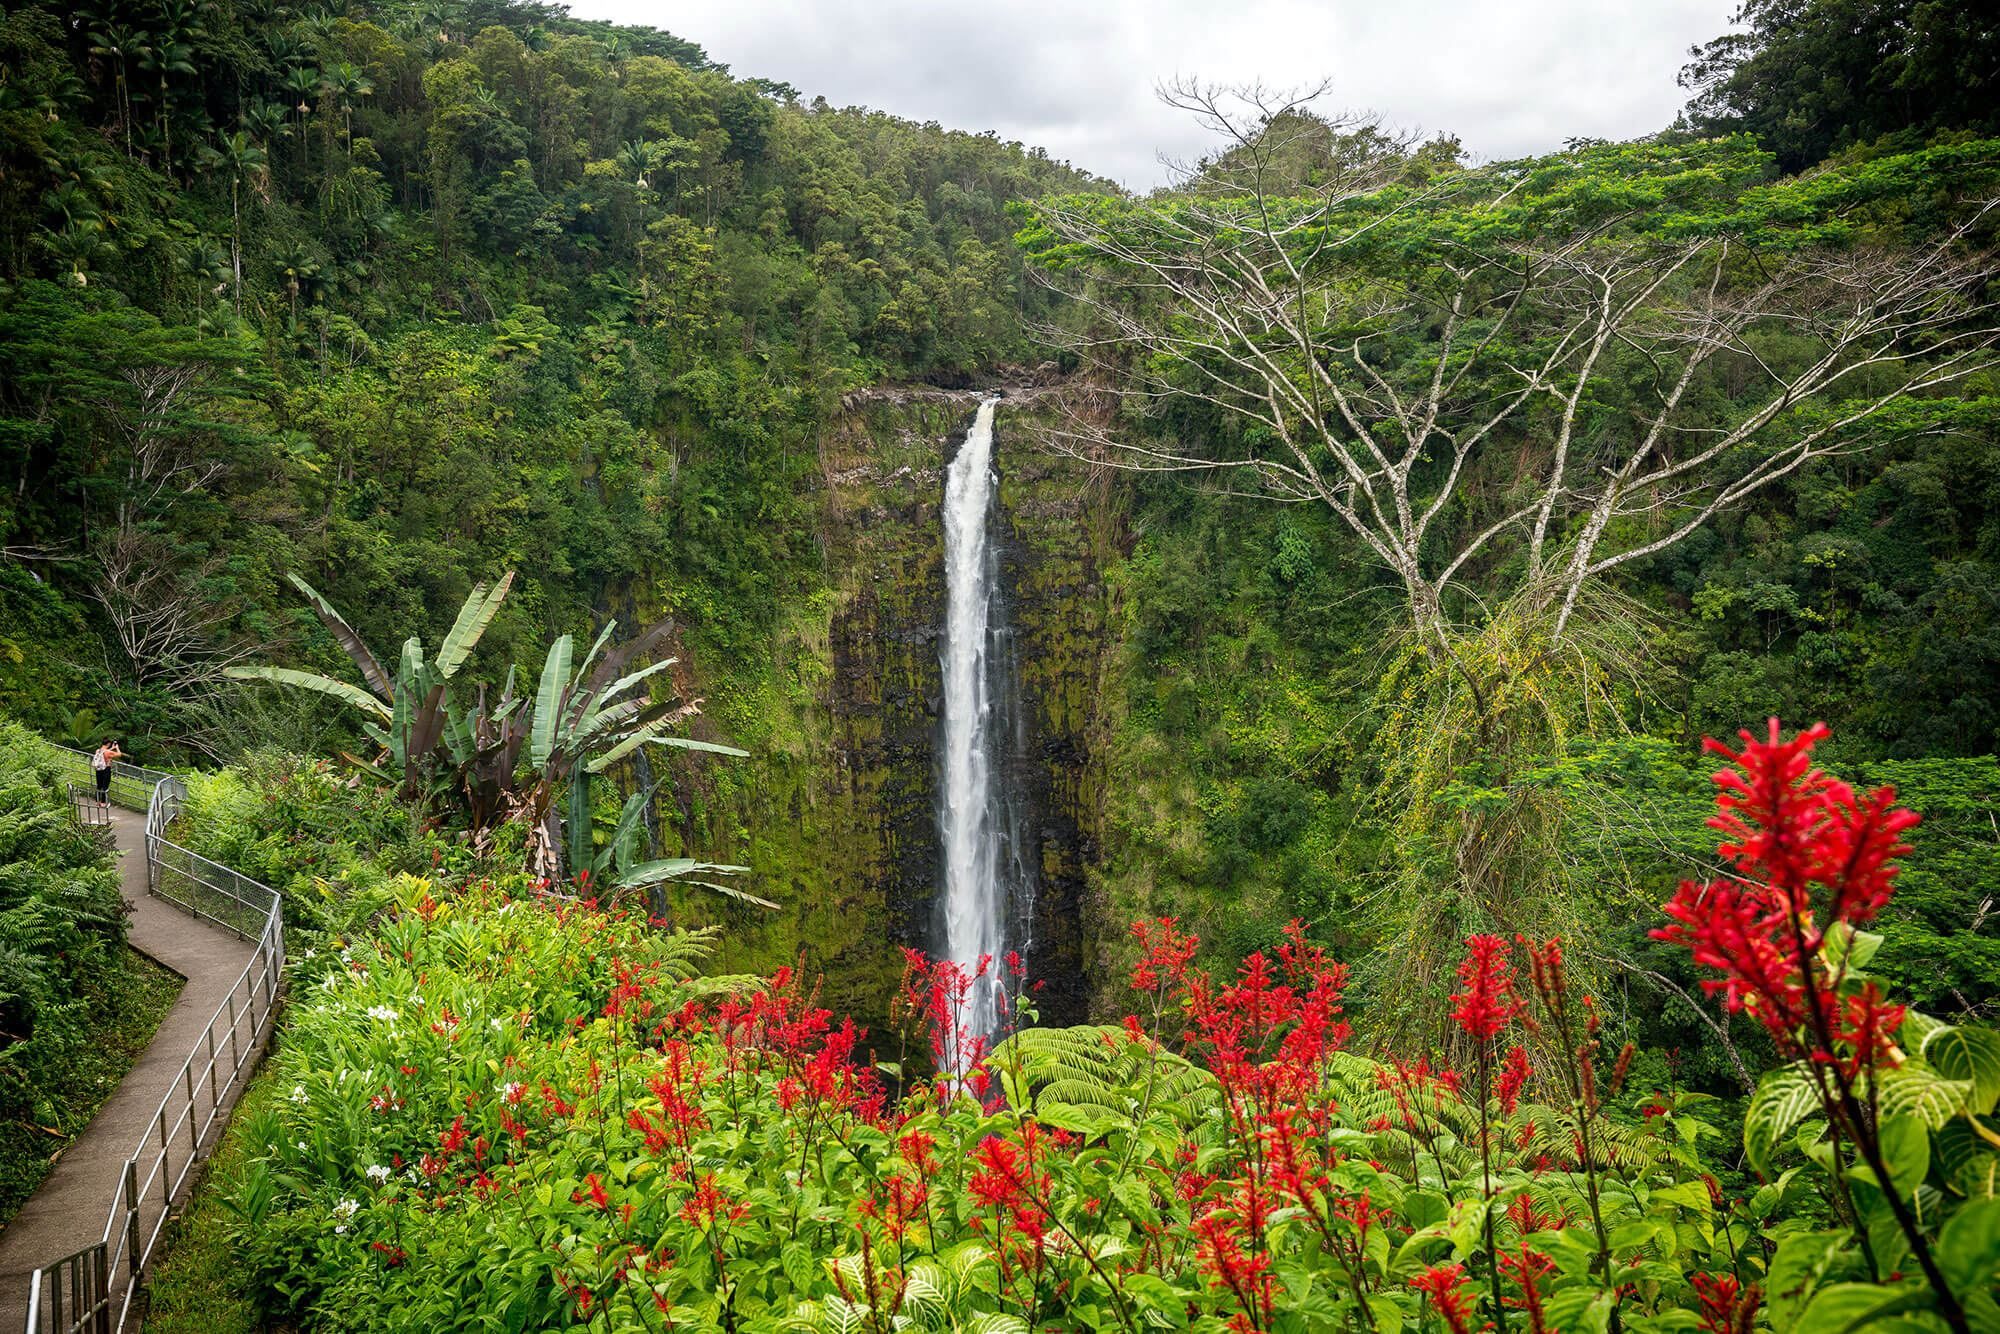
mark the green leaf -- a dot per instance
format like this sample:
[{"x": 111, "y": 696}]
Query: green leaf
[
  {"x": 1970, "y": 1054},
  {"x": 1796, "y": 1269},
  {"x": 1850, "y": 948},
  {"x": 1906, "y": 1152},
  {"x": 1783, "y": 1099},
  {"x": 1968, "y": 1250},
  {"x": 324, "y": 685},
  {"x": 548, "y": 702},
  {"x": 473, "y": 618},
  {"x": 1914, "y": 1090},
  {"x": 371, "y": 670},
  {"x": 679, "y": 869},
  {"x": 689, "y": 743},
  {"x": 1851, "y": 1306}
]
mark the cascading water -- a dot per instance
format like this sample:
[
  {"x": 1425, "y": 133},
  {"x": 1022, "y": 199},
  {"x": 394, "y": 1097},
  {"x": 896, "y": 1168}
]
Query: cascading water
[{"x": 988, "y": 884}]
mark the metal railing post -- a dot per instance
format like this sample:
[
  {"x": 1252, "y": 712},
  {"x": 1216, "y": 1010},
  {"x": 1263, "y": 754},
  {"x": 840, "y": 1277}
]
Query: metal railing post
[{"x": 132, "y": 1217}]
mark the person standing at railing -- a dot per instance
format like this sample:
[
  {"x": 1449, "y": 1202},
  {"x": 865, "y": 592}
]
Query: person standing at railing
[{"x": 101, "y": 761}]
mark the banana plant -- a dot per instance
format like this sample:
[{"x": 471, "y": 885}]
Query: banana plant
[
  {"x": 617, "y": 864},
  {"x": 407, "y": 714},
  {"x": 587, "y": 717},
  {"x": 510, "y": 755}
]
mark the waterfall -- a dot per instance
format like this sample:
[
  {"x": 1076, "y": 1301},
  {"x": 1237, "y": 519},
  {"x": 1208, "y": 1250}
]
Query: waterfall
[{"x": 988, "y": 880}]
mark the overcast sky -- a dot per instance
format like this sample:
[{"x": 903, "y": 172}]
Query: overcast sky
[{"x": 1509, "y": 77}]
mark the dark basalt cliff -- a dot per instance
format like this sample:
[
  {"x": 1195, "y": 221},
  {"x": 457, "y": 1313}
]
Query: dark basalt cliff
[{"x": 835, "y": 810}]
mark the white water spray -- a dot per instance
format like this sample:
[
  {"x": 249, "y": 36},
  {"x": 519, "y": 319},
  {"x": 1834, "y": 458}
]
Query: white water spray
[{"x": 975, "y": 818}]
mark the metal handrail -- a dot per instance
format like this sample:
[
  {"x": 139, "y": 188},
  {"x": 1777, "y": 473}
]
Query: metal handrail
[{"x": 106, "y": 1275}]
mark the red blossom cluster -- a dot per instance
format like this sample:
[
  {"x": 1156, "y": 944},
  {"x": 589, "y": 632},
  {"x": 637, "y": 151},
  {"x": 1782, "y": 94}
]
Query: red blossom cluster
[
  {"x": 1808, "y": 852},
  {"x": 1486, "y": 1003},
  {"x": 1727, "y": 1306},
  {"x": 1450, "y": 1295}
]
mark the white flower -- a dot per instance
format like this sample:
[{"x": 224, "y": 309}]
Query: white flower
[
  {"x": 416, "y": 999},
  {"x": 382, "y": 1012},
  {"x": 378, "y": 1173},
  {"x": 499, "y": 1024},
  {"x": 299, "y": 1094},
  {"x": 309, "y": 954},
  {"x": 511, "y": 1091},
  {"x": 304, "y": 1147},
  {"x": 329, "y": 982},
  {"x": 344, "y": 1212}
]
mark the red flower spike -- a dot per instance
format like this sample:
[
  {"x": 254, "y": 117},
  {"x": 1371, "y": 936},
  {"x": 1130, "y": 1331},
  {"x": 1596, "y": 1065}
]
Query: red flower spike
[
  {"x": 1726, "y": 1306},
  {"x": 1450, "y": 1295},
  {"x": 1487, "y": 1001},
  {"x": 1513, "y": 1078}
]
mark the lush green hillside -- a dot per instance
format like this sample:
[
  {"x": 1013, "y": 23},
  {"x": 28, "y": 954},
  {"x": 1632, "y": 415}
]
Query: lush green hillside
[{"x": 401, "y": 297}]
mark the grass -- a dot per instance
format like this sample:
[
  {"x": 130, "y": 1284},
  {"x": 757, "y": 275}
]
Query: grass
[
  {"x": 196, "y": 1285},
  {"x": 119, "y": 1018}
]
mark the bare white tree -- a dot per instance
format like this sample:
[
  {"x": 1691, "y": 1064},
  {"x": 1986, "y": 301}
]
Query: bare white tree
[
  {"x": 164, "y": 617},
  {"x": 1497, "y": 373}
]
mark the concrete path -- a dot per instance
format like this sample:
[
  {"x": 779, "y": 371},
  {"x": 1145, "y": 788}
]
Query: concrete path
[{"x": 68, "y": 1212}]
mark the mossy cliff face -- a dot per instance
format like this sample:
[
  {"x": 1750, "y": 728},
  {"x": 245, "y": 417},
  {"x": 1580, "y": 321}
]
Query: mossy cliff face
[{"x": 835, "y": 811}]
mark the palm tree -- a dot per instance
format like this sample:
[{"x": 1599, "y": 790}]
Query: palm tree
[
  {"x": 167, "y": 58},
  {"x": 120, "y": 45},
  {"x": 301, "y": 82},
  {"x": 239, "y": 158},
  {"x": 348, "y": 85}
]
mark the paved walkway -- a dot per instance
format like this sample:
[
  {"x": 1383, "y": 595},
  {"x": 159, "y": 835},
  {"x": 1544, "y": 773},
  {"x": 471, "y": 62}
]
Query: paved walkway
[{"x": 68, "y": 1212}]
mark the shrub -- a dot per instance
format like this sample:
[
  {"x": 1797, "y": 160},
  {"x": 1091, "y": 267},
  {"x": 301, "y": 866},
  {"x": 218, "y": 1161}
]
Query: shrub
[
  {"x": 515, "y": 1113},
  {"x": 62, "y": 926},
  {"x": 327, "y": 839}
]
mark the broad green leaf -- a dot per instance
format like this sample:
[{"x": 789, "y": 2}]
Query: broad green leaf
[
  {"x": 1970, "y": 1054},
  {"x": 1916, "y": 1090},
  {"x": 1850, "y": 948},
  {"x": 1906, "y": 1152},
  {"x": 1852, "y": 1306},
  {"x": 1968, "y": 1250},
  {"x": 1783, "y": 1099},
  {"x": 631, "y": 742},
  {"x": 325, "y": 685},
  {"x": 1969, "y": 1163},
  {"x": 343, "y": 633},
  {"x": 1687, "y": 1194},
  {"x": 548, "y": 702},
  {"x": 624, "y": 683},
  {"x": 689, "y": 743},
  {"x": 1796, "y": 1270},
  {"x": 480, "y": 607}
]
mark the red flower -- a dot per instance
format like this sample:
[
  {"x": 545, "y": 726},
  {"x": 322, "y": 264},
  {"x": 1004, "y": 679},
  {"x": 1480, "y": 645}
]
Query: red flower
[
  {"x": 1726, "y": 1306},
  {"x": 1808, "y": 853},
  {"x": 1487, "y": 1001},
  {"x": 1513, "y": 1078},
  {"x": 1449, "y": 1293},
  {"x": 1247, "y": 1277},
  {"x": 1527, "y": 1267},
  {"x": 1167, "y": 953},
  {"x": 709, "y": 1206}
]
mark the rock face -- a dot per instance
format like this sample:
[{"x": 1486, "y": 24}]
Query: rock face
[{"x": 837, "y": 813}]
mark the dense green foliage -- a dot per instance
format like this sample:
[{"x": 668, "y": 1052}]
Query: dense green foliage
[
  {"x": 1813, "y": 77},
  {"x": 491, "y": 1109},
  {"x": 76, "y": 1006},
  {"x": 398, "y": 296}
]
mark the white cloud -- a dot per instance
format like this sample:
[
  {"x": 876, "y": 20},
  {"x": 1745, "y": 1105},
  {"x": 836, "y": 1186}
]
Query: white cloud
[{"x": 1509, "y": 77}]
